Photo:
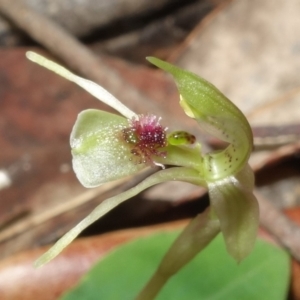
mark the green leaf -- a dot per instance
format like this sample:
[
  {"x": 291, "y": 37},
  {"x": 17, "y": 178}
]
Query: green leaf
[
  {"x": 211, "y": 275},
  {"x": 99, "y": 153}
]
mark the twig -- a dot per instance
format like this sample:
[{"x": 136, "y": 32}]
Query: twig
[
  {"x": 277, "y": 155},
  {"x": 53, "y": 37},
  {"x": 286, "y": 232},
  {"x": 275, "y": 102},
  {"x": 71, "y": 52},
  {"x": 36, "y": 219},
  {"x": 179, "y": 50},
  {"x": 81, "y": 18},
  {"x": 268, "y": 137},
  {"x": 39, "y": 218}
]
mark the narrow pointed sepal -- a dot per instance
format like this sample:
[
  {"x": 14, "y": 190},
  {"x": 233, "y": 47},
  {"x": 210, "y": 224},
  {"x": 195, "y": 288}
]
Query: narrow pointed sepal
[
  {"x": 179, "y": 174},
  {"x": 236, "y": 207}
]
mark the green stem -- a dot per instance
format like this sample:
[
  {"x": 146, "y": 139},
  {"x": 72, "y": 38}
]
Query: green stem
[
  {"x": 196, "y": 236},
  {"x": 153, "y": 287}
]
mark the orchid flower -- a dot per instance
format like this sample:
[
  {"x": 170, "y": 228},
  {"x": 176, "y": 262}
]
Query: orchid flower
[{"x": 108, "y": 146}]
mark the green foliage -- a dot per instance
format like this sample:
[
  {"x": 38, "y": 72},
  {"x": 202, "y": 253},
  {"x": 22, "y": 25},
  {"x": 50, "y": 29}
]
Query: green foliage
[{"x": 264, "y": 274}]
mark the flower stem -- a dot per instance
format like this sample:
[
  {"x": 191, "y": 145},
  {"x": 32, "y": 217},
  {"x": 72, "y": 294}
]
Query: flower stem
[
  {"x": 196, "y": 236},
  {"x": 153, "y": 287}
]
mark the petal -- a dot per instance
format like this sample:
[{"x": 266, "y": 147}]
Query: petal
[
  {"x": 237, "y": 209},
  {"x": 99, "y": 153}
]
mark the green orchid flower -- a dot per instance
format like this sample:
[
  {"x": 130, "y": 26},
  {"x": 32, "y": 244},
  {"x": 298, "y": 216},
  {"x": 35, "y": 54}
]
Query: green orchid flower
[
  {"x": 107, "y": 147},
  {"x": 229, "y": 179}
]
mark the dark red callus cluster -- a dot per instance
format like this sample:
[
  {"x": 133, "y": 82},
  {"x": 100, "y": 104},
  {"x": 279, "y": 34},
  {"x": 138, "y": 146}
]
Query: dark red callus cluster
[{"x": 147, "y": 137}]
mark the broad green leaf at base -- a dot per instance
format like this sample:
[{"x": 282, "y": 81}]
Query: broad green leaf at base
[{"x": 213, "y": 274}]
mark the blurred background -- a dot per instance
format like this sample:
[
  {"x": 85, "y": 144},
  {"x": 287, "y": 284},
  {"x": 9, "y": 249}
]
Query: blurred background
[{"x": 249, "y": 49}]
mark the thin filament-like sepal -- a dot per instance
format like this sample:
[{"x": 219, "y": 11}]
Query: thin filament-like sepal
[
  {"x": 91, "y": 87},
  {"x": 179, "y": 173}
]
